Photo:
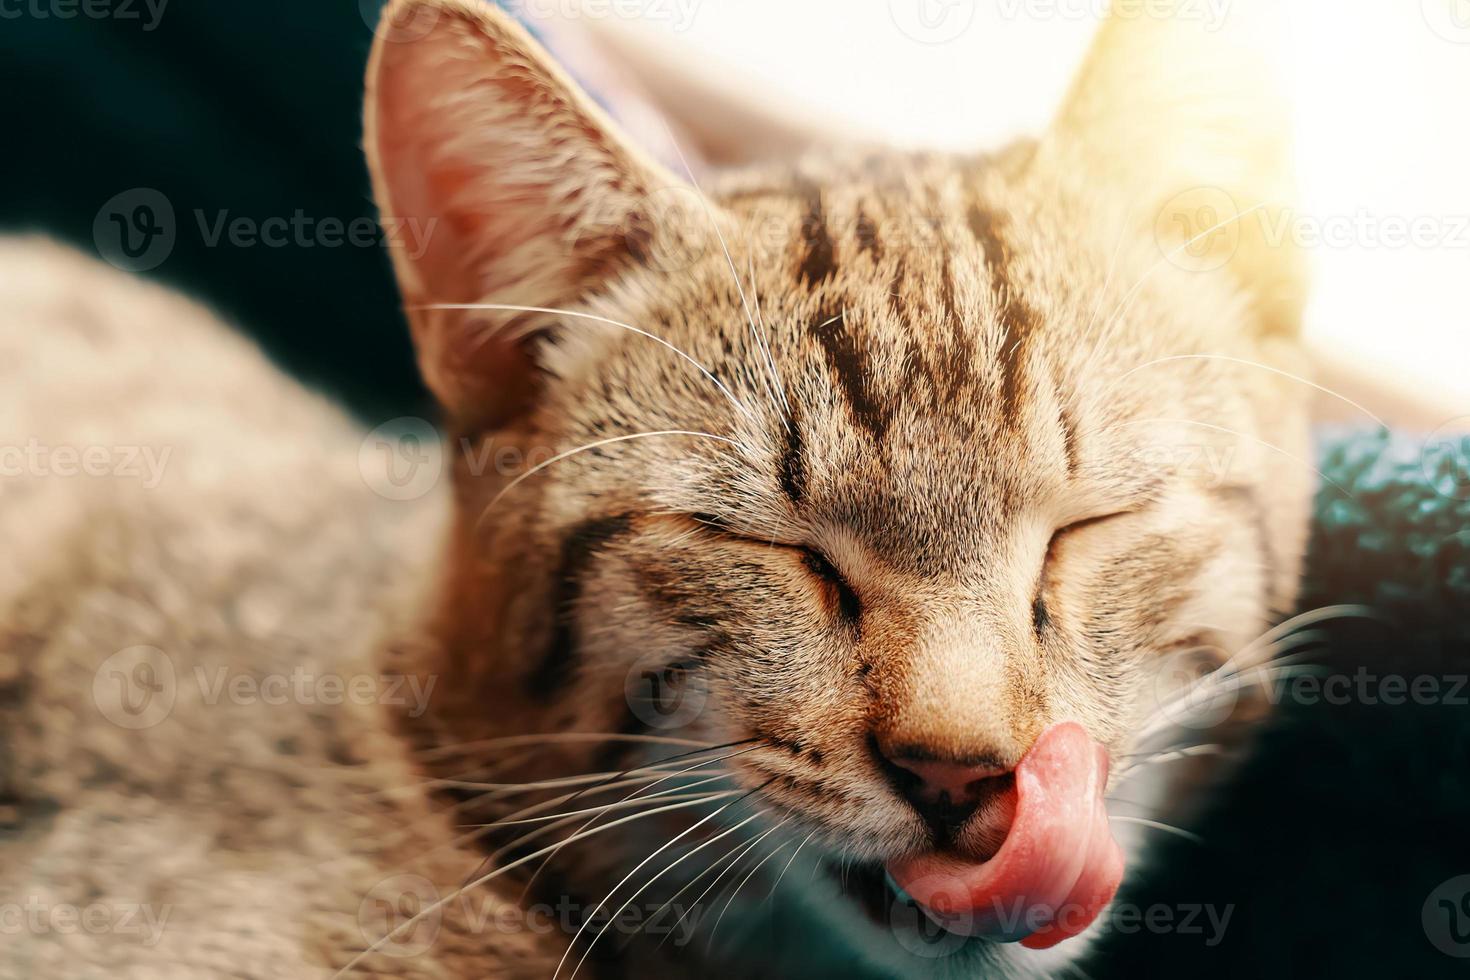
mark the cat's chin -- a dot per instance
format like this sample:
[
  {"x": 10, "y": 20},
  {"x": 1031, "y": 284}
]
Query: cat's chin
[
  {"x": 890, "y": 931},
  {"x": 1044, "y": 886}
]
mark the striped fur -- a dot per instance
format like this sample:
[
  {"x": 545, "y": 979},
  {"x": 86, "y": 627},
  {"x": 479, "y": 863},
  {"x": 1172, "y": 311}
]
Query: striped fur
[{"x": 944, "y": 496}]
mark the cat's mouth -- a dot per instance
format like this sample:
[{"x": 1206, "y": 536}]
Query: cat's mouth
[{"x": 1056, "y": 870}]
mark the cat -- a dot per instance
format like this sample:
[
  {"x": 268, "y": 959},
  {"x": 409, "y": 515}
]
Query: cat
[
  {"x": 863, "y": 487},
  {"x": 795, "y": 521}
]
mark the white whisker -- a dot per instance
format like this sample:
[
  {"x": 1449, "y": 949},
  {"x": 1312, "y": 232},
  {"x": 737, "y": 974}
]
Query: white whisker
[
  {"x": 1156, "y": 825},
  {"x": 744, "y": 848},
  {"x": 645, "y": 886},
  {"x": 512, "y": 308},
  {"x": 508, "y": 741},
  {"x": 1249, "y": 363},
  {"x": 638, "y": 867},
  {"x": 787, "y": 868},
  {"x": 1132, "y": 293},
  {"x": 439, "y": 903},
  {"x": 735, "y": 893},
  {"x": 740, "y": 288},
  {"x": 598, "y": 445}
]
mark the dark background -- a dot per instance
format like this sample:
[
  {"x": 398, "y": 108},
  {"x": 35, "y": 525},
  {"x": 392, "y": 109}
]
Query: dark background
[
  {"x": 1332, "y": 836},
  {"x": 253, "y": 109}
]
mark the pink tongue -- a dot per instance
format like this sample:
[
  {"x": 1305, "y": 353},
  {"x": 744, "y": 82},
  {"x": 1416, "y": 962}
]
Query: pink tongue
[{"x": 1059, "y": 864}]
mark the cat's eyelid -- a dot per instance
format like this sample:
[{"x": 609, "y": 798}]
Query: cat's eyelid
[
  {"x": 1096, "y": 517},
  {"x": 715, "y": 524}
]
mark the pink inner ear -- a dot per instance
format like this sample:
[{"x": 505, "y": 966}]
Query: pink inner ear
[
  {"x": 474, "y": 128},
  {"x": 431, "y": 178}
]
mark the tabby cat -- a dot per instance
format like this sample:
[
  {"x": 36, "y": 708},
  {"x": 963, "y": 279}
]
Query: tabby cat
[{"x": 841, "y": 522}]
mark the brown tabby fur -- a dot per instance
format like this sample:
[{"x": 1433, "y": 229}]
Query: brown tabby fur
[{"x": 940, "y": 374}]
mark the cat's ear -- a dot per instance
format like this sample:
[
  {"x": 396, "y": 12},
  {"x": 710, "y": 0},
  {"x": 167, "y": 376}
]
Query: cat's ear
[
  {"x": 1180, "y": 108},
  {"x": 510, "y": 185}
]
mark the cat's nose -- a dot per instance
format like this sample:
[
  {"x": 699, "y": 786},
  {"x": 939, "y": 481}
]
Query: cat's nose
[{"x": 946, "y": 790}]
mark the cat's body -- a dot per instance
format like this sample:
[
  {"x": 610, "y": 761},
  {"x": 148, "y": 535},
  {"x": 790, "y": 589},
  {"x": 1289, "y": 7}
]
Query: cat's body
[
  {"x": 206, "y": 818},
  {"x": 899, "y": 458}
]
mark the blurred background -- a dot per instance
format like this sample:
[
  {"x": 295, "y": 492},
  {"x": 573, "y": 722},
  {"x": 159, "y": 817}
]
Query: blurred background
[{"x": 252, "y": 111}]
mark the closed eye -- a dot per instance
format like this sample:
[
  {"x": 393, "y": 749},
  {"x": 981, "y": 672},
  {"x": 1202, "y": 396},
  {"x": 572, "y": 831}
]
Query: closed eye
[
  {"x": 1041, "y": 617},
  {"x": 844, "y": 597},
  {"x": 847, "y": 599}
]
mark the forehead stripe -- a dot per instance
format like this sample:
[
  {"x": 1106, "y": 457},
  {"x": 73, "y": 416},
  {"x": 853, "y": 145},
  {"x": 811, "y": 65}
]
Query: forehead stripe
[
  {"x": 817, "y": 263},
  {"x": 1017, "y": 316},
  {"x": 846, "y": 358}
]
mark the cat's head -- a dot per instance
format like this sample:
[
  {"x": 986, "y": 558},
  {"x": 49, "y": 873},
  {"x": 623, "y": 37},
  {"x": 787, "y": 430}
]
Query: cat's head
[{"x": 889, "y": 462}]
